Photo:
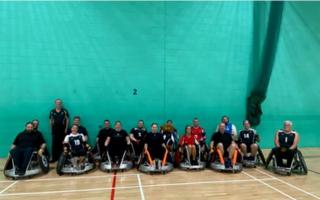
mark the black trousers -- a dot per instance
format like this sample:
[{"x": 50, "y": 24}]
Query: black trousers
[
  {"x": 116, "y": 152},
  {"x": 58, "y": 134},
  {"x": 156, "y": 153},
  {"x": 138, "y": 148},
  {"x": 288, "y": 154},
  {"x": 21, "y": 157}
]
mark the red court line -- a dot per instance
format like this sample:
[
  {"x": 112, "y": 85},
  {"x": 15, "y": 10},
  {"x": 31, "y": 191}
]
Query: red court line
[{"x": 113, "y": 190}]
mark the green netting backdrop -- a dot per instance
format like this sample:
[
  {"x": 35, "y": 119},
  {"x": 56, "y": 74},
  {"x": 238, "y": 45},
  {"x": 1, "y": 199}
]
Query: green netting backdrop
[{"x": 185, "y": 60}]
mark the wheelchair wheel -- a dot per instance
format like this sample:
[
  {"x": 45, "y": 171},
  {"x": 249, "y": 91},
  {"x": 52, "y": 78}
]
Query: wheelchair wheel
[
  {"x": 8, "y": 165},
  {"x": 261, "y": 156},
  {"x": 303, "y": 164},
  {"x": 60, "y": 164},
  {"x": 44, "y": 163}
]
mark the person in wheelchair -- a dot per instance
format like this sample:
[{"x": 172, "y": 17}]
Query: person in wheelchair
[
  {"x": 99, "y": 150},
  {"x": 155, "y": 145},
  {"x": 81, "y": 129},
  {"x": 189, "y": 154},
  {"x": 286, "y": 142},
  {"x": 224, "y": 147},
  {"x": 200, "y": 135},
  {"x": 118, "y": 145},
  {"x": 169, "y": 135},
  {"x": 75, "y": 143},
  {"x": 137, "y": 137},
  {"x": 247, "y": 141},
  {"x": 23, "y": 147},
  {"x": 156, "y": 153}
]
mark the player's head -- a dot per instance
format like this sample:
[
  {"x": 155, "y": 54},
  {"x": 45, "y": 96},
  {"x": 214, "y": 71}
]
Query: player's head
[
  {"x": 35, "y": 123},
  {"x": 188, "y": 130},
  {"x": 117, "y": 125},
  {"x": 287, "y": 125},
  {"x": 246, "y": 124},
  {"x": 107, "y": 123},
  {"x": 222, "y": 127},
  {"x": 140, "y": 123},
  {"x": 225, "y": 119},
  {"x": 169, "y": 122},
  {"x": 74, "y": 128},
  {"x": 154, "y": 127},
  {"x": 29, "y": 127},
  {"x": 76, "y": 120},
  {"x": 195, "y": 122},
  {"x": 58, "y": 103}
]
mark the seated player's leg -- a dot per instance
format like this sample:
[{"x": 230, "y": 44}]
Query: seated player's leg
[
  {"x": 289, "y": 154},
  {"x": 278, "y": 152},
  {"x": 243, "y": 148},
  {"x": 193, "y": 153},
  {"x": 231, "y": 150},
  {"x": 17, "y": 156},
  {"x": 26, "y": 156},
  {"x": 220, "y": 152},
  {"x": 111, "y": 150},
  {"x": 254, "y": 149}
]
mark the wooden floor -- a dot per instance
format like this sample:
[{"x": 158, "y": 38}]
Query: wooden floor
[{"x": 249, "y": 184}]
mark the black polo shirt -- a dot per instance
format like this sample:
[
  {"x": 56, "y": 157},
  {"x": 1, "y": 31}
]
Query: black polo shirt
[
  {"x": 33, "y": 139},
  {"x": 59, "y": 118}
]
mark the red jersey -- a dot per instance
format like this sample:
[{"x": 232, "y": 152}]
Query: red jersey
[
  {"x": 185, "y": 140},
  {"x": 198, "y": 133}
]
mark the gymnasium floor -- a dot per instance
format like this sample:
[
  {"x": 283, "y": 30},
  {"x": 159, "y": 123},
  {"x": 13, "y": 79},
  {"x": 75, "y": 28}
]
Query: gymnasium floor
[{"x": 249, "y": 184}]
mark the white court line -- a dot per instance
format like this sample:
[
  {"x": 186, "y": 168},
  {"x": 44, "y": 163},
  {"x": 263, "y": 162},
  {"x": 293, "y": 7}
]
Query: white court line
[
  {"x": 131, "y": 187},
  {"x": 268, "y": 185},
  {"x": 292, "y": 186},
  {"x": 140, "y": 187},
  {"x": 9, "y": 186}
]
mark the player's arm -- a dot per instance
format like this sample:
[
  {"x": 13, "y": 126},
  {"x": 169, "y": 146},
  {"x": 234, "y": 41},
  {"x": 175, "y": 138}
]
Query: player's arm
[
  {"x": 295, "y": 142},
  {"x": 276, "y": 139},
  {"x": 106, "y": 143}
]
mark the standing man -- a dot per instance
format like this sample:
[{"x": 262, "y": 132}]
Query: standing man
[{"x": 59, "y": 119}]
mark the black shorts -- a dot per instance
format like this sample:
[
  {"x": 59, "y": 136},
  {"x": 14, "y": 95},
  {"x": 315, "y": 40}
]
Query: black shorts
[
  {"x": 248, "y": 146},
  {"x": 77, "y": 153}
]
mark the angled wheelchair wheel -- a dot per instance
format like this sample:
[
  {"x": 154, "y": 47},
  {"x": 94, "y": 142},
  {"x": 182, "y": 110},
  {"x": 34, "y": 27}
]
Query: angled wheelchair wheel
[
  {"x": 44, "y": 163},
  {"x": 261, "y": 156},
  {"x": 302, "y": 163},
  {"x": 60, "y": 164}
]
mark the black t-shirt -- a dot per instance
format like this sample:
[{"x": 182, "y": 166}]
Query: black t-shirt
[
  {"x": 118, "y": 138},
  {"x": 81, "y": 129},
  {"x": 59, "y": 118},
  {"x": 286, "y": 139},
  {"x": 103, "y": 134},
  {"x": 26, "y": 139},
  {"x": 139, "y": 133},
  {"x": 224, "y": 138},
  {"x": 247, "y": 136},
  {"x": 154, "y": 140},
  {"x": 76, "y": 142}
]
